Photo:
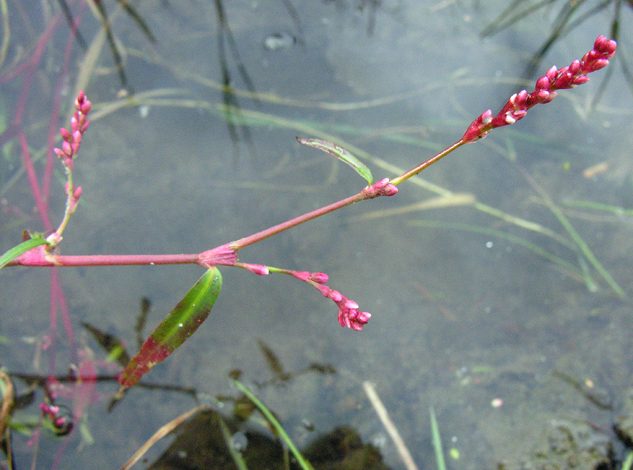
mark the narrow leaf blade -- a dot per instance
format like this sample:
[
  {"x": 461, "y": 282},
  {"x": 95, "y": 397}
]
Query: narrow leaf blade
[
  {"x": 20, "y": 249},
  {"x": 340, "y": 153},
  {"x": 174, "y": 330}
]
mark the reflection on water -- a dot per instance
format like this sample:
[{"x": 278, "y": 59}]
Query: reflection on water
[{"x": 468, "y": 307}]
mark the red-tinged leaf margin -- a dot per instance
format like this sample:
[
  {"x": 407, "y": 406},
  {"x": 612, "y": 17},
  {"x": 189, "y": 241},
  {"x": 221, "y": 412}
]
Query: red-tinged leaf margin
[
  {"x": 174, "y": 330},
  {"x": 340, "y": 153}
]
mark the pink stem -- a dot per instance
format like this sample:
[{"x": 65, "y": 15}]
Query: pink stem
[
  {"x": 35, "y": 187},
  {"x": 269, "y": 232}
]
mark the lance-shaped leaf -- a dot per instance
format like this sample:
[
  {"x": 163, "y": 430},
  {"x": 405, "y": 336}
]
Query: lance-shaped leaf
[
  {"x": 179, "y": 325},
  {"x": 340, "y": 153}
]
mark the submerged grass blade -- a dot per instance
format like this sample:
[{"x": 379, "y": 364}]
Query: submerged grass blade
[
  {"x": 574, "y": 235},
  {"x": 572, "y": 270},
  {"x": 305, "y": 465},
  {"x": 239, "y": 461},
  {"x": 437, "y": 440}
]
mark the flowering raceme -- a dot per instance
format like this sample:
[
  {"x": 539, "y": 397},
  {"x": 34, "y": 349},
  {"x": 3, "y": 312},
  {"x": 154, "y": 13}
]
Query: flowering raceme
[{"x": 545, "y": 90}]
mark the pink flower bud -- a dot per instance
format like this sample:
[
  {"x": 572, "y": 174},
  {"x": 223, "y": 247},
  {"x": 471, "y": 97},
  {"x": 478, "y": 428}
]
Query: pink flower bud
[
  {"x": 325, "y": 290},
  {"x": 85, "y": 107},
  {"x": 67, "y": 148},
  {"x": 77, "y": 136},
  {"x": 77, "y": 193},
  {"x": 301, "y": 275},
  {"x": 551, "y": 73},
  {"x": 319, "y": 278},
  {"x": 543, "y": 83},
  {"x": 580, "y": 80},
  {"x": 390, "y": 190},
  {"x": 336, "y": 296},
  {"x": 258, "y": 269},
  {"x": 66, "y": 135},
  {"x": 60, "y": 153}
]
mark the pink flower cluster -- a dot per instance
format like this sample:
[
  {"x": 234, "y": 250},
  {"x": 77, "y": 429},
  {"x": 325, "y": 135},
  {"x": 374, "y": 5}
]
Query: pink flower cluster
[
  {"x": 545, "y": 89},
  {"x": 78, "y": 125},
  {"x": 60, "y": 418},
  {"x": 348, "y": 314}
]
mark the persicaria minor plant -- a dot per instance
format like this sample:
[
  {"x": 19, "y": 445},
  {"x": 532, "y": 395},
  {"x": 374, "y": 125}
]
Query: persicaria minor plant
[{"x": 192, "y": 310}]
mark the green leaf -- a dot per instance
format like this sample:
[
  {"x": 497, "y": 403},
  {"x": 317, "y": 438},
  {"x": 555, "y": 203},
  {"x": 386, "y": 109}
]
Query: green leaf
[
  {"x": 20, "y": 249},
  {"x": 179, "y": 325},
  {"x": 340, "y": 153}
]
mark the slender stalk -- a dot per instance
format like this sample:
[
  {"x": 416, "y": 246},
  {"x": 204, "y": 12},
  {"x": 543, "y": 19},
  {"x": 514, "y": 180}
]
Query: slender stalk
[
  {"x": 429, "y": 162},
  {"x": 269, "y": 232}
]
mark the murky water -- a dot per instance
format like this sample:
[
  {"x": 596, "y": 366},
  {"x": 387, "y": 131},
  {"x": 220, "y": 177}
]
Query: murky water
[{"x": 467, "y": 307}]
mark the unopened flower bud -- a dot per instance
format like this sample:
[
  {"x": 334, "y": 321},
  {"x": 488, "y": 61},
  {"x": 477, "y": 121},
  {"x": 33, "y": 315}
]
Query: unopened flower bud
[
  {"x": 67, "y": 148},
  {"x": 301, "y": 275},
  {"x": 258, "y": 269},
  {"x": 319, "y": 278},
  {"x": 66, "y": 135},
  {"x": 336, "y": 296},
  {"x": 85, "y": 107}
]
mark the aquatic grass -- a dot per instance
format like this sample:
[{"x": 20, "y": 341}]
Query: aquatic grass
[
  {"x": 574, "y": 235},
  {"x": 598, "y": 206},
  {"x": 572, "y": 270},
  {"x": 236, "y": 455},
  {"x": 437, "y": 440},
  {"x": 628, "y": 462},
  {"x": 305, "y": 465}
]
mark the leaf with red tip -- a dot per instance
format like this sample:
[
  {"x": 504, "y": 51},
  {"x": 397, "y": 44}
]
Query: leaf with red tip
[
  {"x": 340, "y": 153},
  {"x": 179, "y": 325}
]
